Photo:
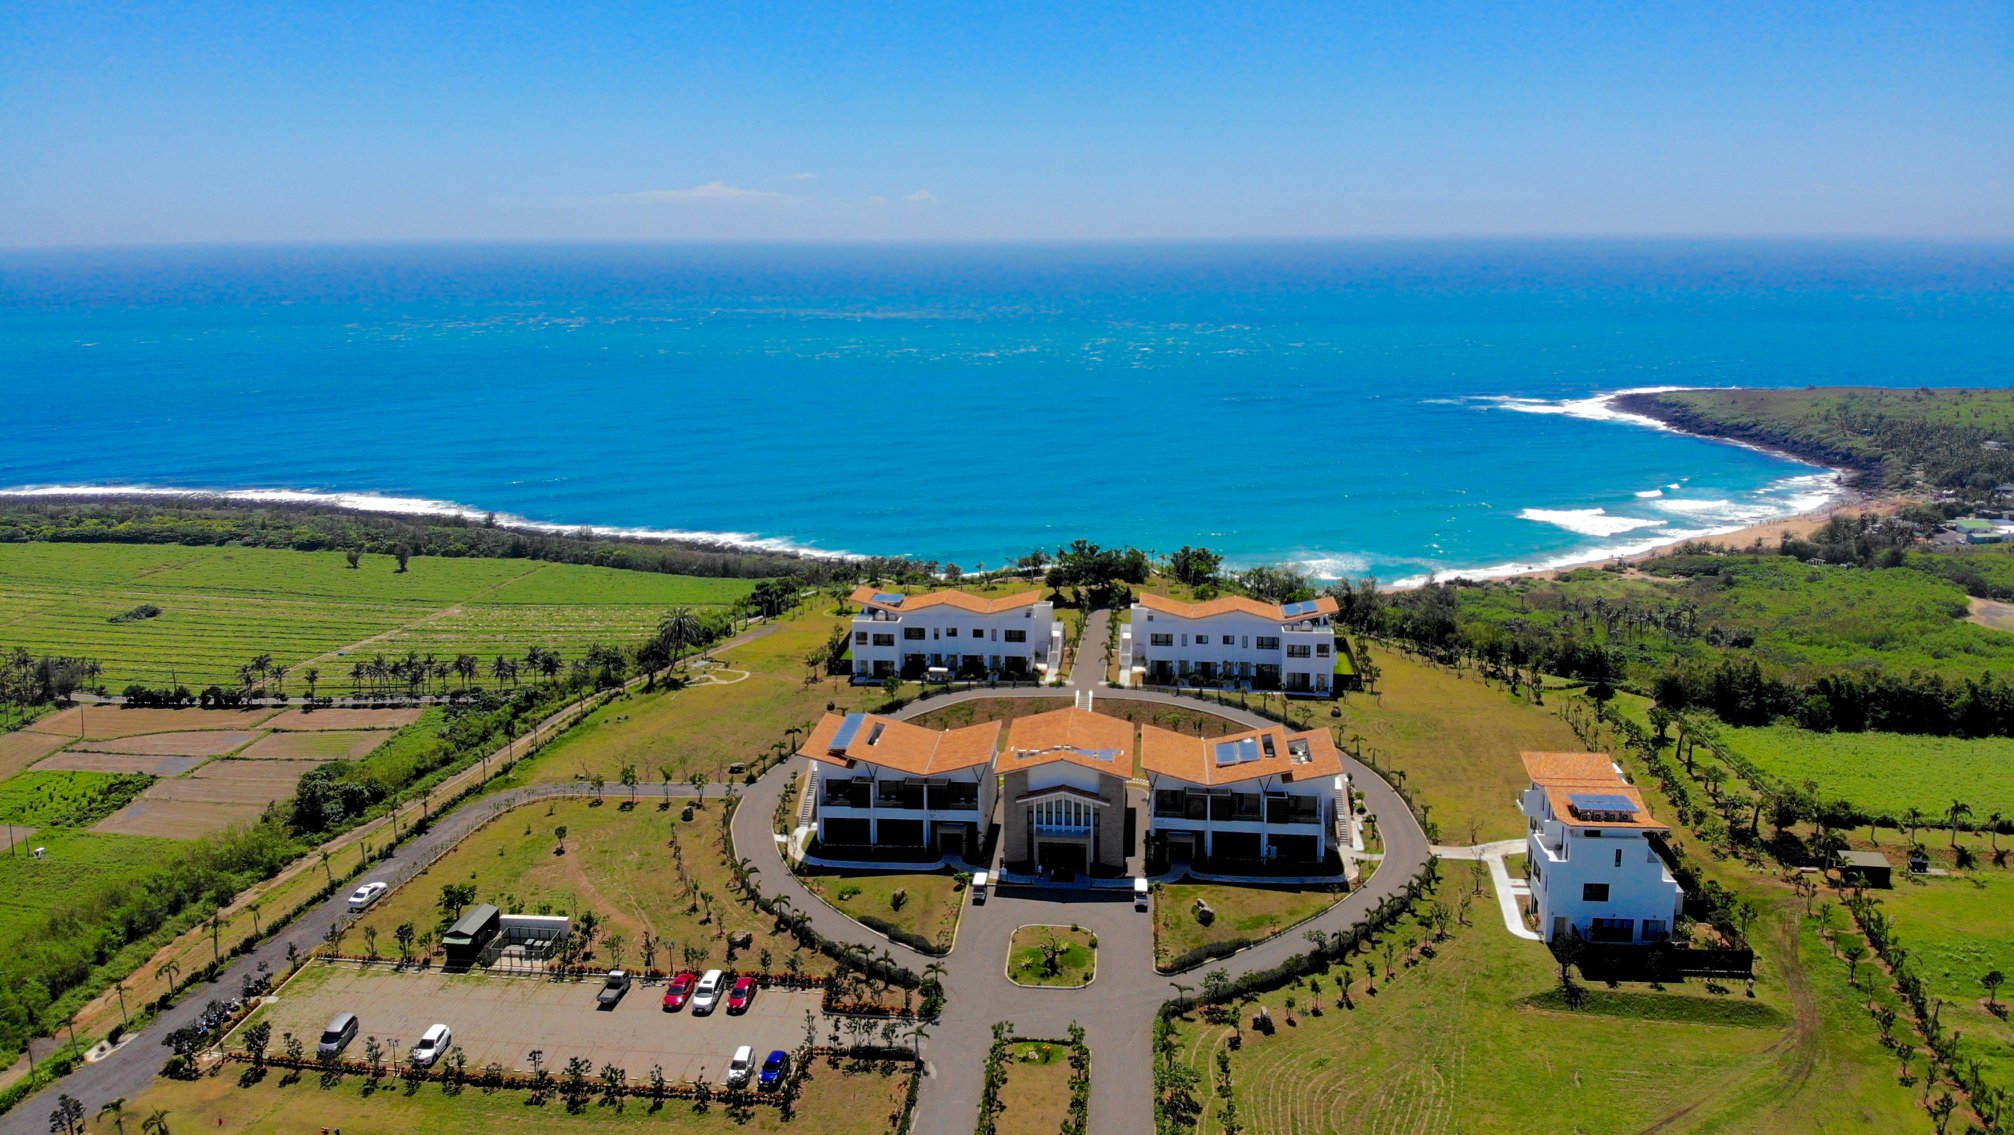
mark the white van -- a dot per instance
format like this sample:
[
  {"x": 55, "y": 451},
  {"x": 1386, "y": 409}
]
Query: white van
[
  {"x": 1140, "y": 892},
  {"x": 979, "y": 881},
  {"x": 707, "y": 997}
]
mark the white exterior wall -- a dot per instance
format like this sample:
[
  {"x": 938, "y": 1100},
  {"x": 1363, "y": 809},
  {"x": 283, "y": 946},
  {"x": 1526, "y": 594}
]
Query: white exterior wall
[
  {"x": 1326, "y": 792},
  {"x": 1194, "y": 642},
  {"x": 937, "y": 624},
  {"x": 1562, "y": 858},
  {"x": 980, "y": 816}
]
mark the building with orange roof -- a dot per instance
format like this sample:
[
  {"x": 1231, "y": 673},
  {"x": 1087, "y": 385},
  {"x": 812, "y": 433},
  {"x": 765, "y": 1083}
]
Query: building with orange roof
[
  {"x": 951, "y": 633},
  {"x": 885, "y": 783},
  {"x": 1595, "y": 856},
  {"x": 1233, "y": 642},
  {"x": 1260, "y": 796},
  {"x": 1063, "y": 782}
]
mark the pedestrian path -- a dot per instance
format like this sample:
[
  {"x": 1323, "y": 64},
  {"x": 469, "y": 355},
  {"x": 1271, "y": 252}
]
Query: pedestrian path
[{"x": 1508, "y": 892}]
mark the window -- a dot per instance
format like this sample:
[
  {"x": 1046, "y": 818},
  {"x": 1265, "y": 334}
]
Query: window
[
  {"x": 1161, "y": 640},
  {"x": 1230, "y": 640},
  {"x": 860, "y": 638},
  {"x": 1618, "y": 857},
  {"x": 1611, "y": 930},
  {"x": 884, "y": 640},
  {"x": 1594, "y": 892},
  {"x": 950, "y": 632},
  {"x": 1321, "y": 650},
  {"x": 1017, "y": 636},
  {"x": 1298, "y": 650},
  {"x": 1269, "y": 642},
  {"x": 913, "y": 634}
]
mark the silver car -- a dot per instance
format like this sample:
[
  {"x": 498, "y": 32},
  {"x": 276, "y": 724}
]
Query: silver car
[
  {"x": 706, "y": 998},
  {"x": 341, "y": 1031}
]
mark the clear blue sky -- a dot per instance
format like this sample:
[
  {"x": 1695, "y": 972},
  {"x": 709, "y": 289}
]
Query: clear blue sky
[{"x": 362, "y": 121}]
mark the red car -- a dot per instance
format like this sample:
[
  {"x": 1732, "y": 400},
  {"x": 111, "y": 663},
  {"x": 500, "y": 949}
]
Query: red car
[
  {"x": 681, "y": 989},
  {"x": 742, "y": 995}
]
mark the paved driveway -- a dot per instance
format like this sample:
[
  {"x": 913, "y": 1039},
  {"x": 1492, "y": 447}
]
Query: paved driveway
[{"x": 504, "y": 1018}]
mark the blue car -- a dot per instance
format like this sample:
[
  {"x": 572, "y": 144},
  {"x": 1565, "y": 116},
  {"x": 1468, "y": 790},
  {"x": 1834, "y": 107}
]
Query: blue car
[{"x": 773, "y": 1069}]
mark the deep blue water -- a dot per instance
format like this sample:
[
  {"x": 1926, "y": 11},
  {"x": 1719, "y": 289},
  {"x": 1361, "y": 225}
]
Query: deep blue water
[{"x": 1361, "y": 406}]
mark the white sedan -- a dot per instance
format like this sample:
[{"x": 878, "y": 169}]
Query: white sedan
[
  {"x": 367, "y": 894},
  {"x": 433, "y": 1043}
]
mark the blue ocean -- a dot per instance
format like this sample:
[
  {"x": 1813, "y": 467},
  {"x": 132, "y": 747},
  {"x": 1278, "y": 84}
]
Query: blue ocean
[{"x": 1395, "y": 409}]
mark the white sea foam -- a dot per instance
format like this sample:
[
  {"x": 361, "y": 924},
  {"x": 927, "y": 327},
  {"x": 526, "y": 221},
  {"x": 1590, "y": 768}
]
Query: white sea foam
[
  {"x": 1588, "y": 521},
  {"x": 420, "y": 506},
  {"x": 1646, "y": 494},
  {"x": 1333, "y": 565},
  {"x": 1599, "y": 408}
]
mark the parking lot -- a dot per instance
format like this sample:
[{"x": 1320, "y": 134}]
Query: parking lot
[{"x": 504, "y": 1018}]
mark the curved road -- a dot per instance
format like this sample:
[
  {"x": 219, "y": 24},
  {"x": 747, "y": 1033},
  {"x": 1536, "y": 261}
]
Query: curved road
[{"x": 1117, "y": 1009}]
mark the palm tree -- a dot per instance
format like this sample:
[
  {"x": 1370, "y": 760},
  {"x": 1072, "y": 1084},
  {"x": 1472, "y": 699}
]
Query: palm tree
[
  {"x": 311, "y": 675},
  {"x": 1958, "y": 810},
  {"x": 169, "y": 971},
  {"x": 117, "y": 1110},
  {"x": 1993, "y": 822},
  {"x": 1912, "y": 818},
  {"x": 678, "y": 629},
  {"x": 156, "y": 1123}
]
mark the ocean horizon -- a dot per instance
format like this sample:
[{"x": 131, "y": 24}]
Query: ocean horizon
[{"x": 1388, "y": 408}]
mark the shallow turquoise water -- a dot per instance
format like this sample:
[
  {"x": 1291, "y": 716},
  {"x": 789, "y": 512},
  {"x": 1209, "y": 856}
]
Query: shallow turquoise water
[{"x": 1395, "y": 408}]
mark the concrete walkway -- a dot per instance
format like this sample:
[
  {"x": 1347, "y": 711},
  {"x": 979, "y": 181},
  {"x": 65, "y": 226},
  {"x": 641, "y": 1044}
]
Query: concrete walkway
[{"x": 1507, "y": 891}]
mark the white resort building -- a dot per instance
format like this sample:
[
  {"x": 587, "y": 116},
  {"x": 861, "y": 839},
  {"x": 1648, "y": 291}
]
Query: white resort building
[
  {"x": 1064, "y": 775},
  {"x": 1595, "y": 858},
  {"x": 954, "y": 634},
  {"x": 1231, "y": 642},
  {"x": 886, "y": 783},
  {"x": 1264, "y": 795}
]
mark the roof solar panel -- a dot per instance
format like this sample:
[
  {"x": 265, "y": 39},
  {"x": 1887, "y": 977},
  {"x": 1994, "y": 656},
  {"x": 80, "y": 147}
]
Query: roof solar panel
[
  {"x": 848, "y": 730},
  {"x": 1295, "y": 610},
  {"x": 1602, "y": 802}
]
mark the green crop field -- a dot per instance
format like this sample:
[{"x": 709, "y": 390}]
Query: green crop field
[
  {"x": 1959, "y": 927},
  {"x": 1887, "y": 773},
  {"x": 67, "y": 799},
  {"x": 219, "y": 607}
]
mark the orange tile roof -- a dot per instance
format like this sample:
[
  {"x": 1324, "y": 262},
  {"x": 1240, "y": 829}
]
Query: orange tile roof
[
  {"x": 1562, "y": 776},
  {"x": 1326, "y": 605},
  {"x": 1570, "y": 768},
  {"x": 898, "y": 745},
  {"x": 1193, "y": 759},
  {"x": 1069, "y": 735},
  {"x": 962, "y": 600}
]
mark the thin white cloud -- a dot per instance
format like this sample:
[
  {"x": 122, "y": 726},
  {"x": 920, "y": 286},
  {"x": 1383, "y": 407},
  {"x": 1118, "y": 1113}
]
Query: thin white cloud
[
  {"x": 711, "y": 192},
  {"x": 796, "y": 177},
  {"x": 920, "y": 197}
]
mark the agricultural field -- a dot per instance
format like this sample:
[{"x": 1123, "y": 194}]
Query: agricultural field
[
  {"x": 1457, "y": 742},
  {"x": 736, "y": 713},
  {"x": 835, "y": 1101},
  {"x": 1252, "y": 913},
  {"x": 66, "y": 799},
  {"x": 1886, "y": 773},
  {"x": 1450, "y": 1044},
  {"x": 221, "y": 606}
]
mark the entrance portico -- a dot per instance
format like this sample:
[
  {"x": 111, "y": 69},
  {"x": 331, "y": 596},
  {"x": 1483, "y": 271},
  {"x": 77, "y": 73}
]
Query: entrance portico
[{"x": 1065, "y": 787}]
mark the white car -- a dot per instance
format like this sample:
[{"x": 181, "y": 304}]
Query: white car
[
  {"x": 367, "y": 894},
  {"x": 739, "y": 1068},
  {"x": 433, "y": 1043},
  {"x": 706, "y": 998}
]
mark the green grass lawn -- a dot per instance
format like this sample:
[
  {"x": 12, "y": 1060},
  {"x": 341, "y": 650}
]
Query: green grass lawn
[
  {"x": 1958, "y": 927},
  {"x": 1458, "y": 742},
  {"x": 1462, "y": 1042},
  {"x": 220, "y": 606},
  {"x": 1076, "y": 964},
  {"x": 707, "y": 727},
  {"x": 931, "y": 903},
  {"x": 1247, "y": 912},
  {"x": 75, "y": 863},
  {"x": 1035, "y": 1100},
  {"x": 834, "y": 1102},
  {"x": 619, "y": 864},
  {"x": 1886, "y": 773}
]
